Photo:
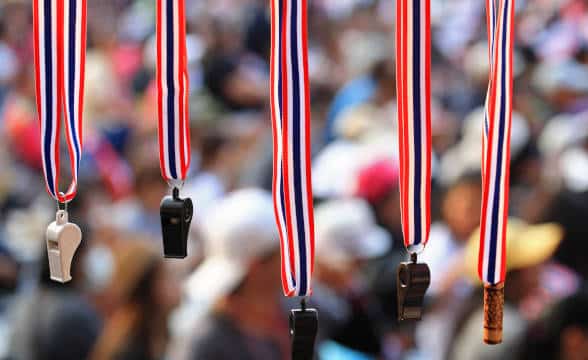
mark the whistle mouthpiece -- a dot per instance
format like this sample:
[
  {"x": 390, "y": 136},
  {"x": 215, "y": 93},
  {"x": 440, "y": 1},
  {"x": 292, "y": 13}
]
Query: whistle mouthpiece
[
  {"x": 63, "y": 239},
  {"x": 303, "y": 330},
  {"x": 493, "y": 313},
  {"x": 413, "y": 281}
]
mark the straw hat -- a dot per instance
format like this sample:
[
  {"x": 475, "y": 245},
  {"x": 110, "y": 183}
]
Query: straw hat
[{"x": 526, "y": 245}]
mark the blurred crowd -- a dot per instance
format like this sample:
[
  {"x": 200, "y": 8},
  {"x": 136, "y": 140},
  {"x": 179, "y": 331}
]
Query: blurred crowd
[{"x": 224, "y": 301}]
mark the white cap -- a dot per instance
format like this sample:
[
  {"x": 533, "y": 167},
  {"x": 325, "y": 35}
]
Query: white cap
[
  {"x": 574, "y": 167},
  {"x": 334, "y": 169},
  {"x": 465, "y": 156},
  {"x": 550, "y": 77},
  {"x": 346, "y": 231},
  {"x": 238, "y": 230}
]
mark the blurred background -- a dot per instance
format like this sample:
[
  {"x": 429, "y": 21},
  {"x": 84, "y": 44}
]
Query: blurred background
[{"x": 224, "y": 301}]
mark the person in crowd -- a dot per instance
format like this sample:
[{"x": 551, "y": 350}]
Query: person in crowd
[
  {"x": 377, "y": 183},
  {"x": 365, "y": 105},
  {"x": 149, "y": 188},
  {"x": 144, "y": 291},
  {"x": 460, "y": 208},
  {"x": 529, "y": 249},
  {"x": 237, "y": 287},
  {"x": 460, "y": 216},
  {"x": 561, "y": 333},
  {"x": 347, "y": 237},
  {"x": 55, "y": 321}
]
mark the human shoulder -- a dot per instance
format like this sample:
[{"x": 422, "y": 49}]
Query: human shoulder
[{"x": 216, "y": 338}]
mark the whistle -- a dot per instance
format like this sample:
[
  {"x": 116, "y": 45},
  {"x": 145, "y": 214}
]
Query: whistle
[
  {"x": 493, "y": 313},
  {"x": 303, "y": 330},
  {"x": 176, "y": 216},
  {"x": 63, "y": 239},
  {"x": 413, "y": 281}
]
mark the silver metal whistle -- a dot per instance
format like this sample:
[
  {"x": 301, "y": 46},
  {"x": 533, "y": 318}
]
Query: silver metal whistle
[{"x": 63, "y": 239}]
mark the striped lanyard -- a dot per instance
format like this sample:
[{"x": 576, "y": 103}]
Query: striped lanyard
[
  {"x": 413, "y": 83},
  {"x": 496, "y": 142},
  {"x": 495, "y": 164},
  {"x": 60, "y": 51},
  {"x": 173, "y": 91},
  {"x": 290, "y": 111}
]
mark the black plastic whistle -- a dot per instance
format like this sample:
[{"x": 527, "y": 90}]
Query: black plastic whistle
[
  {"x": 176, "y": 216},
  {"x": 413, "y": 281},
  {"x": 303, "y": 330}
]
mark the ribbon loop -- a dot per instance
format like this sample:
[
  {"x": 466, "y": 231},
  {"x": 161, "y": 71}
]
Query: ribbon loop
[
  {"x": 60, "y": 51},
  {"x": 290, "y": 111}
]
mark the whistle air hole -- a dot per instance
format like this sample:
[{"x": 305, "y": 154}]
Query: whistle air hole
[
  {"x": 403, "y": 276},
  {"x": 52, "y": 245},
  {"x": 189, "y": 210}
]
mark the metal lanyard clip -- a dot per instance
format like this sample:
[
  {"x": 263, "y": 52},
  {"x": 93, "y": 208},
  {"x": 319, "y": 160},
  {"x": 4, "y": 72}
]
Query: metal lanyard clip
[
  {"x": 303, "y": 330},
  {"x": 176, "y": 216},
  {"x": 413, "y": 281}
]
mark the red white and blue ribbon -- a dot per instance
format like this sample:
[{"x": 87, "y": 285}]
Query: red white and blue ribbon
[
  {"x": 413, "y": 83},
  {"x": 496, "y": 140},
  {"x": 59, "y": 51},
  {"x": 173, "y": 90},
  {"x": 290, "y": 111}
]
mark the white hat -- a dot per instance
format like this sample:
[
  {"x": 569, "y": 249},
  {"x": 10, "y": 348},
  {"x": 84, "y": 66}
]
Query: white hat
[
  {"x": 346, "y": 231},
  {"x": 574, "y": 167},
  {"x": 466, "y": 155},
  {"x": 334, "y": 169},
  {"x": 237, "y": 231},
  {"x": 550, "y": 77}
]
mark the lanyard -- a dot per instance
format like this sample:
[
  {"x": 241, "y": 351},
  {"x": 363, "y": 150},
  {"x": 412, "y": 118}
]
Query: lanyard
[
  {"x": 172, "y": 90},
  {"x": 413, "y": 84},
  {"x": 290, "y": 110},
  {"x": 495, "y": 164},
  {"x": 413, "y": 64},
  {"x": 173, "y": 124},
  {"x": 60, "y": 50},
  {"x": 496, "y": 142}
]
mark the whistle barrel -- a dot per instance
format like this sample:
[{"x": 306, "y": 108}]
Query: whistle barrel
[{"x": 493, "y": 312}]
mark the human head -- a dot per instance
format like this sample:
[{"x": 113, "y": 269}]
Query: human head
[
  {"x": 377, "y": 183},
  {"x": 241, "y": 248},
  {"x": 562, "y": 333},
  {"x": 346, "y": 236},
  {"x": 142, "y": 278},
  {"x": 461, "y": 206}
]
